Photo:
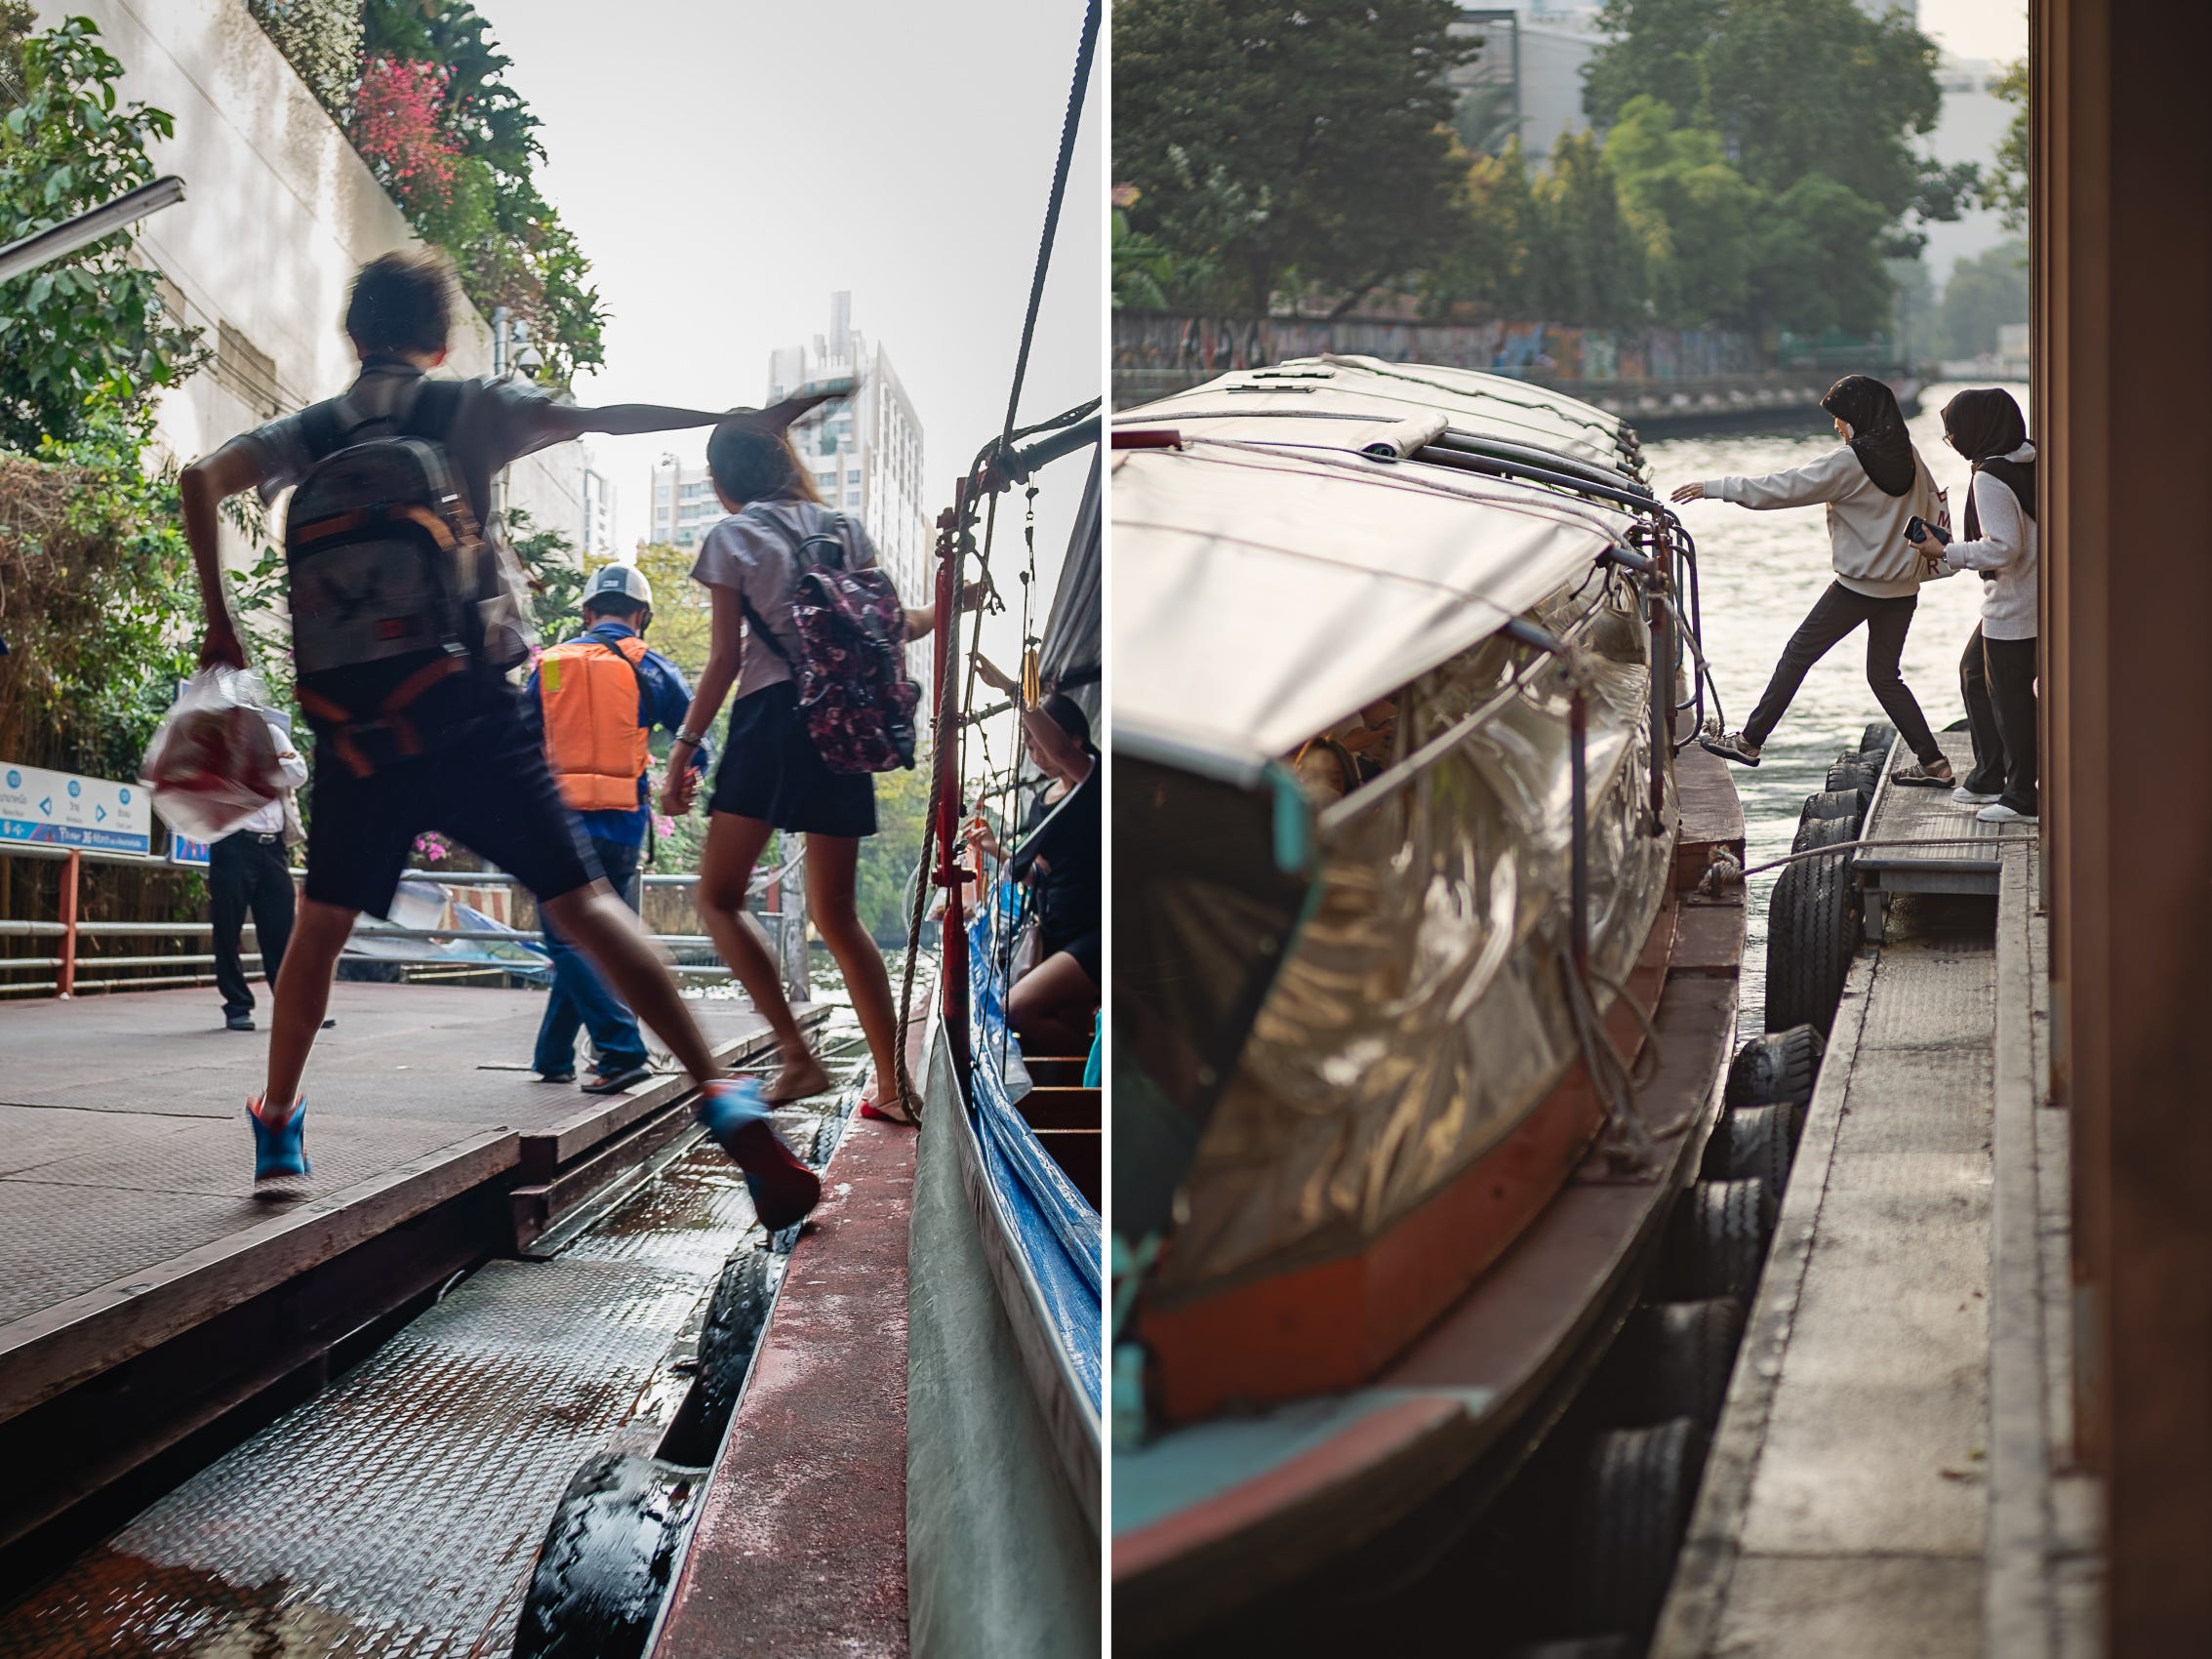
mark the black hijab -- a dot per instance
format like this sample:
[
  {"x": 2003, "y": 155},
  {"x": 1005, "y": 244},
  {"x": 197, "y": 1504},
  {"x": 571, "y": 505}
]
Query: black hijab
[
  {"x": 1877, "y": 431},
  {"x": 1985, "y": 426}
]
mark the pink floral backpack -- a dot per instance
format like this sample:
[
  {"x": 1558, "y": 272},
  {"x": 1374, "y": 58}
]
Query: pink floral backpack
[{"x": 850, "y": 668}]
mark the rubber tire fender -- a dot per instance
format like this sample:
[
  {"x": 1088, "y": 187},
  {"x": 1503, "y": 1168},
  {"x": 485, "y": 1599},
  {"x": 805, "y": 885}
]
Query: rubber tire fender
[
  {"x": 1674, "y": 1360},
  {"x": 609, "y": 1557},
  {"x": 1632, "y": 1506},
  {"x": 1762, "y": 1140},
  {"x": 730, "y": 1337},
  {"x": 1813, "y": 833},
  {"x": 1781, "y": 1066},
  {"x": 1838, "y": 804},
  {"x": 1813, "y": 931},
  {"x": 1855, "y": 772},
  {"x": 1875, "y": 740},
  {"x": 1716, "y": 1242}
]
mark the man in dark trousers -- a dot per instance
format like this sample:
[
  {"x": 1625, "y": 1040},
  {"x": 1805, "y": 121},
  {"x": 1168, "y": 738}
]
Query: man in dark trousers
[
  {"x": 249, "y": 870},
  {"x": 597, "y": 698}
]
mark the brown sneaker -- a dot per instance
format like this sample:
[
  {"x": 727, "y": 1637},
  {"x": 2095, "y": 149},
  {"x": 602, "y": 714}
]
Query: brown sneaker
[{"x": 1936, "y": 775}]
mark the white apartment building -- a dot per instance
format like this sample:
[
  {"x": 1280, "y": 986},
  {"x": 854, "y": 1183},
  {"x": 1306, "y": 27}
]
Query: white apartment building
[
  {"x": 595, "y": 540},
  {"x": 864, "y": 457}
]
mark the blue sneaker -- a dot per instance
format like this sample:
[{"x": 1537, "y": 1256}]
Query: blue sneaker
[
  {"x": 281, "y": 1151},
  {"x": 785, "y": 1190}
]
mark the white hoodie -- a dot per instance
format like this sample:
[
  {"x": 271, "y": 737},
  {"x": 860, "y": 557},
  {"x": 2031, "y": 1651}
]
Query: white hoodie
[
  {"x": 1866, "y": 526},
  {"x": 2008, "y": 548}
]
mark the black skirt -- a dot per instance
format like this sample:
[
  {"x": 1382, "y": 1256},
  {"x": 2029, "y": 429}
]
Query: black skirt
[{"x": 771, "y": 771}]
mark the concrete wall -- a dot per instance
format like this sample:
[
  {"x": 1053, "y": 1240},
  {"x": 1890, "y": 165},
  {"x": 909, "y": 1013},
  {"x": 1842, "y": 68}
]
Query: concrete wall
[{"x": 279, "y": 213}]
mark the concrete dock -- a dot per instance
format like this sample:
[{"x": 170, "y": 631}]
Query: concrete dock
[{"x": 1891, "y": 1474}]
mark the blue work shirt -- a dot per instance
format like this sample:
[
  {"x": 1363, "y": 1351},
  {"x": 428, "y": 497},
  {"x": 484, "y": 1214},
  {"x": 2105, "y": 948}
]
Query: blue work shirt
[{"x": 666, "y": 705}]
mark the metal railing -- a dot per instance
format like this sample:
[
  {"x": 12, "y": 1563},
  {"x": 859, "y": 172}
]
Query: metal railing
[{"x": 785, "y": 916}]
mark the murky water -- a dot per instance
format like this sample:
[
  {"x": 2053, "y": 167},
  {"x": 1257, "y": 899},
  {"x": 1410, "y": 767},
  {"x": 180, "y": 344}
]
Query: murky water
[{"x": 1761, "y": 572}]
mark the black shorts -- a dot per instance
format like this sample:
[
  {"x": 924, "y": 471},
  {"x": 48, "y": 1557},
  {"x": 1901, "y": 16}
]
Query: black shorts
[
  {"x": 489, "y": 790},
  {"x": 771, "y": 771},
  {"x": 1086, "y": 949}
]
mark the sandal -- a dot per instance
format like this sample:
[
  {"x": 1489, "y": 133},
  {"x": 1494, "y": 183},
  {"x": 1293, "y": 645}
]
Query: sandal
[
  {"x": 1919, "y": 777},
  {"x": 1730, "y": 746}
]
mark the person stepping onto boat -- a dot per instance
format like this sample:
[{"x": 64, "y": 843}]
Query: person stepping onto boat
[
  {"x": 402, "y": 675},
  {"x": 1997, "y": 674},
  {"x": 1873, "y": 487},
  {"x": 774, "y": 775},
  {"x": 597, "y": 699}
]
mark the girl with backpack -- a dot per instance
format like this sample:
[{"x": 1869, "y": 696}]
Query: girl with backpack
[
  {"x": 774, "y": 775},
  {"x": 1873, "y": 487}
]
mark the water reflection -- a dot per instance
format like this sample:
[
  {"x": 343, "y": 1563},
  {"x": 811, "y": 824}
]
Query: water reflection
[{"x": 1761, "y": 572}]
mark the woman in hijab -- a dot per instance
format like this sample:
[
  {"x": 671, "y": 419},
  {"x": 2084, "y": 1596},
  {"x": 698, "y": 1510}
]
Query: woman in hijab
[
  {"x": 1872, "y": 487},
  {"x": 1997, "y": 674}
]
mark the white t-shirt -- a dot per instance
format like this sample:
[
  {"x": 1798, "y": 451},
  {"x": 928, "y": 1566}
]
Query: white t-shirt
[
  {"x": 268, "y": 820},
  {"x": 746, "y": 553}
]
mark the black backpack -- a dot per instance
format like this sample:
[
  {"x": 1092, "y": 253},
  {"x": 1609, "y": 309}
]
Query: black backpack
[{"x": 387, "y": 573}]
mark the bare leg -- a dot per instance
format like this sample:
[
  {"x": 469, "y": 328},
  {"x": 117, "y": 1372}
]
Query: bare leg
[
  {"x": 302, "y": 996},
  {"x": 608, "y": 931},
  {"x": 1052, "y": 1007},
  {"x": 734, "y": 845},
  {"x": 831, "y": 864}
]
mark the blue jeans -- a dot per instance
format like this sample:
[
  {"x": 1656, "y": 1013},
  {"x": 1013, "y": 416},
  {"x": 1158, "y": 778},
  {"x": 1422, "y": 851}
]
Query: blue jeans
[{"x": 580, "y": 998}]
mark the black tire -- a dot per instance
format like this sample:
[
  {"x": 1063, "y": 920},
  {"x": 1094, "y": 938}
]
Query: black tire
[
  {"x": 1837, "y": 804},
  {"x": 608, "y": 1560},
  {"x": 1716, "y": 1242},
  {"x": 1674, "y": 1360},
  {"x": 734, "y": 1320},
  {"x": 1812, "y": 933},
  {"x": 1837, "y": 821},
  {"x": 1632, "y": 1506},
  {"x": 1781, "y": 1066},
  {"x": 1762, "y": 1142},
  {"x": 1875, "y": 740},
  {"x": 1860, "y": 772}
]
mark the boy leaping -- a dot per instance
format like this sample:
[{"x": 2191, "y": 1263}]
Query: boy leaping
[{"x": 449, "y": 750}]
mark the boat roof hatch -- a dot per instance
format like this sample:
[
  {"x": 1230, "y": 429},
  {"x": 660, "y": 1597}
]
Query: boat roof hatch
[{"x": 1261, "y": 595}]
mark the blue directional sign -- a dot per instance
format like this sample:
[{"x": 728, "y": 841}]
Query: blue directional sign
[{"x": 61, "y": 810}]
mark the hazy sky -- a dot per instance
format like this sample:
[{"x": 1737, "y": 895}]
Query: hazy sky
[
  {"x": 1977, "y": 28},
  {"x": 727, "y": 164}
]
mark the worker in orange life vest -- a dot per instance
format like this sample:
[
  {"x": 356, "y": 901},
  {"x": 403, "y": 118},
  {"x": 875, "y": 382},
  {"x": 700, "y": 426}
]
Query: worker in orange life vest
[{"x": 598, "y": 698}]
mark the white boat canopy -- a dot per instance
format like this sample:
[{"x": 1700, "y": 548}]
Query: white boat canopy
[
  {"x": 1263, "y": 594},
  {"x": 1340, "y": 402}
]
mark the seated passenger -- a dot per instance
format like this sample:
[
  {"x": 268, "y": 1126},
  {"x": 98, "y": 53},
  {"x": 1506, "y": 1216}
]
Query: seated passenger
[{"x": 1053, "y": 1008}]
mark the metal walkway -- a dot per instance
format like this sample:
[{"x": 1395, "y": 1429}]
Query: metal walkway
[
  {"x": 1957, "y": 853},
  {"x": 397, "y": 1513}
]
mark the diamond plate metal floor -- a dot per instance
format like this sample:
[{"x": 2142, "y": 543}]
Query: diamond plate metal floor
[{"x": 397, "y": 1513}]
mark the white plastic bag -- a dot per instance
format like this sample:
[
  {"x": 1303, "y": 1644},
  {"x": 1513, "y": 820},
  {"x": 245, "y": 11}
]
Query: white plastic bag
[{"x": 213, "y": 761}]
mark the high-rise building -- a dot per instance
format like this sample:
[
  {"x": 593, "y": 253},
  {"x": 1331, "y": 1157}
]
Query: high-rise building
[
  {"x": 684, "y": 504},
  {"x": 866, "y": 457},
  {"x": 598, "y": 527}
]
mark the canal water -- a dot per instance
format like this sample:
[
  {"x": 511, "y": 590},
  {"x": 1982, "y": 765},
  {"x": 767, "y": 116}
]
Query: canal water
[{"x": 1761, "y": 572}]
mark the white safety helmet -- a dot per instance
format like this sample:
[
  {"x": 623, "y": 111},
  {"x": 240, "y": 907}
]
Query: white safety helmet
[{"x": 625, "y": 579}]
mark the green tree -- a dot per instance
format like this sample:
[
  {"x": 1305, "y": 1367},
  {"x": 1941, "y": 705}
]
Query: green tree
[
  {"x": 1793, "y": 87},
  {"x": 1698, "y": 214},
  {"x": 884, "y": 874},
  {"x": 2005, "y": 186},
  {"x": 1983, "y": 295},
  {"x": 1588, "y": 263},
  {"x": 1489, "y": 266},
  {"x": 556, "y": 576},
  {"x": 88, "y": 330},
  {"x": 1327, "y": 127},
  {"x": 683, "y": 611},
  {"x": 1818, "y": 262}
]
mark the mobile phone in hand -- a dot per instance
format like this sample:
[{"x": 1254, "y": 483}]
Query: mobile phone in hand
[{"x": 1918, "y": 529}]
